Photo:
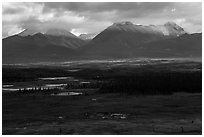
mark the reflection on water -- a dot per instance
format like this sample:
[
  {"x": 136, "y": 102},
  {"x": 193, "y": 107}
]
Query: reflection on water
[
  {"x": 73, "y": 70},
  {"x": 5, "y": 86},
  {"x": 68, "y": 94},
  {"x": 55, "y": 85},
  {"x": 44, "y": 87},
  {"x": 10, "y": 89},
  {"x": 85, "y": 82},
  {"x": 55, "y": 78},
  {"x": 59, "y": 78}
]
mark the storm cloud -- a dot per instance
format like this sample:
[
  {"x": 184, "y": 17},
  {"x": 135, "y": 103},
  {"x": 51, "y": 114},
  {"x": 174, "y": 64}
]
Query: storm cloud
[{"x": 93, "y": 17}]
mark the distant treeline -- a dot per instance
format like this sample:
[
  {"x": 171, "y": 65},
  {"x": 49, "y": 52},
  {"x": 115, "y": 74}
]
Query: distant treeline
[
  {"x": 92, "y": 84},
  {"x": 155, "y": 83},
  {"x": 38, "y": 90}
]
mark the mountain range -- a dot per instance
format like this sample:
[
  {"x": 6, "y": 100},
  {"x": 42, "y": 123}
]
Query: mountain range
[{"x": 120, "y": 40}]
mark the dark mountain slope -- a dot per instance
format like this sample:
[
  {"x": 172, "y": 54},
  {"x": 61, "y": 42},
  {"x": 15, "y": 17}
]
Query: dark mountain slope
[
  {"x": 39, "y": 47},
  {"x": 187, "y": 45}
]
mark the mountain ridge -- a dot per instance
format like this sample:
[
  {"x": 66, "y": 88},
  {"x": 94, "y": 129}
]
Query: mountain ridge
[{"x": 120, "y": 40}]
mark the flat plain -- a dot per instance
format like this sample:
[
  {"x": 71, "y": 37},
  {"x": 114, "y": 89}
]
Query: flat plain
[{"x": 104, "y": 107}]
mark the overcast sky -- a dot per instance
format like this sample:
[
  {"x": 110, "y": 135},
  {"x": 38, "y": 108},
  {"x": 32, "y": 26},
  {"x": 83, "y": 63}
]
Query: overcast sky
[{"x": 94, "y": 17}]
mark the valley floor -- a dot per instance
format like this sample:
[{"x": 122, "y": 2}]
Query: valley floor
[
  {"x": 113, "y": 97},
  {"x": 180, "y": 113}
]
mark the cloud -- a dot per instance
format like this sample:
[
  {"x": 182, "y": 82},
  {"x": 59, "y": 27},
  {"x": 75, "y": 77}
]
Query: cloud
[
  {"x": 9, "y": 30},
  {"x": 90, "y": 17}
]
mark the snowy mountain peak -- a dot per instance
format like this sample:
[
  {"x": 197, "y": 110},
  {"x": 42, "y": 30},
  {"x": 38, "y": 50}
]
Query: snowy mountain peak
[
  {"x": 88, "y": 36},
  {"x": 60, "y": 32}
]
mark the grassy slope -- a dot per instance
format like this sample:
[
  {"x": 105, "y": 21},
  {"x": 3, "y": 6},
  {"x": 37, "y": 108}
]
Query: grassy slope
[{"x": 146, "y": 114}]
